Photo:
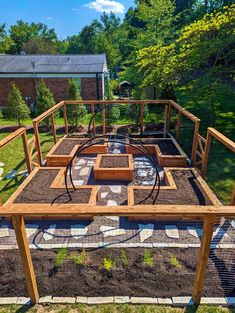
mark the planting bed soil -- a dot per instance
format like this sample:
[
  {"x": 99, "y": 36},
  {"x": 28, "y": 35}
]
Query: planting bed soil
[
  {"x": 67, "y": 146},
  {"x": 133, "y": 279},
  {"x": 114, "y": 161},
  {"x": 189, "y": 191},
  {"x": 166, "y": 146},
  {"x": 38, "y": 190}
]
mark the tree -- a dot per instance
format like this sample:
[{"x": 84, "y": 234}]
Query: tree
[
  {"x": 76, "y": 112},
  {"x": 112, "y": 112},
  {"x": 44, "y": 100},
  {"x": 17, "y": 108}
]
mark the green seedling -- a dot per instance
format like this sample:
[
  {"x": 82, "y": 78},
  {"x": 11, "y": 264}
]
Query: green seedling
[
  {"x": 148, "y": 258},
  {"x": 174, "y": 262},
  {"x": 123, "y": 257},
  {"x": 61, "y": 256},
  {"x": 79, "y": 259},
  {"x": 108, "y": 263}
]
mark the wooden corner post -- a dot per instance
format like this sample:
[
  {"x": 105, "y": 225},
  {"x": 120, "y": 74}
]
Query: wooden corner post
[
  {"x": 66, "y": 128},
  {"x": 38, "y": 145},
  {"x": 21, "y": 237},
  {"x": 26, "y": 152},
  {"x": 53, "y": 127},
  {"x": 203, "y": 258},
  {"x": 206, "y": 154},
  {"x": 194, "y": 147}
]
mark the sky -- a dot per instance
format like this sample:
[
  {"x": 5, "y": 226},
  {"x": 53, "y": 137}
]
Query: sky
[{"x": 66, "y": 16}]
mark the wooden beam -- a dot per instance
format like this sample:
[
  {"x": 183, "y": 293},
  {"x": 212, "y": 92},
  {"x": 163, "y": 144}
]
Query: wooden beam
[
  {"x": 163, "y": 102},
  {"x": 185, "y": 112},
  {"x": 179, "y": 124},
  {"x": 195, "y": 138},
  {"x": 221, "y": 138},
  {"x": 26, "y": 152},
  {"x": 206, "y": 154},
  {"x": 53, "y": 127},
  {"x": 203, "y": 258},
  {"x": 233, "y": 196},
  {"x": 38, "y": 144},
  {"x": 48, "y": 112},
  {"x": 31, "y": 209},
  {"x": 103, "y": 121},
  {"x": 12, "y": 136},
  {"x": 93, "y": 113},
  {"x": 21, "y": 237},
  {"x": 66, "y": 127},
  {"x": 142, "y": 118}
]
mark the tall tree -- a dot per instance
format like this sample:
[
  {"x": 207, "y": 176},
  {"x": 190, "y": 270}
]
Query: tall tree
[{"x": 44, "y": 100}]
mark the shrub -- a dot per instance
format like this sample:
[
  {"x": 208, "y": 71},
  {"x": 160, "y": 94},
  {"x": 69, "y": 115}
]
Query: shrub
[
  {"x": 76, "y": 112},
  {"x": 44, "y": 100},
  {"x": 17, "y": 108},
  {"x": 148, "y": 258},
  {"x": 123, "y": 257},
  {"x": 174, "y": 262},
  {"x": 61, "y": 256},
  {"x": 79, "y": 259}
]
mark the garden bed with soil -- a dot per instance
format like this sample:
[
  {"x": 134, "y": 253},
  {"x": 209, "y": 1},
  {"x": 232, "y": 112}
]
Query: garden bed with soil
[
  {"x": 114, "y": 161},
  {"x": 189, "y": 191},
  {"x": 164, "y": 272},
  {"x": 36, "y": 189}
]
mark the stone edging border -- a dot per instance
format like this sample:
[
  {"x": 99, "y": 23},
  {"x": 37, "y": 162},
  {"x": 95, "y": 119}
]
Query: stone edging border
[
  {"x": 174, "y": 301},
  {"x": 118, "y": 245}
]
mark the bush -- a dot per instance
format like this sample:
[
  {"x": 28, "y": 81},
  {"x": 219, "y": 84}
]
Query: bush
[
  {"x": 75, "y": 112},
  {"x": 17, "y": 108},
  {"x": 44, "y": 101}
]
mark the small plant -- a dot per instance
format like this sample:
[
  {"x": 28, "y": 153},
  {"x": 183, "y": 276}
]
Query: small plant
[
  {"x": 79, "y": 259},
  {"x": 61, "y": 256},
  {"x": 174, "y": 262},
  {"x": 123, "y": 257},
  {"x": 148, "y": 258},
  {"x": 108, "y": 263}
]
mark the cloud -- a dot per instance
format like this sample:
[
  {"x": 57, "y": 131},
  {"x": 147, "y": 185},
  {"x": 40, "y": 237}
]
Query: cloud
[
  {"x": 49, "y": 18},
  {"x": 106, "y": 6}
]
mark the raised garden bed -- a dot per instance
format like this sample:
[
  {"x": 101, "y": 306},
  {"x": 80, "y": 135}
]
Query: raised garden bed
[
  {"x": 40, "y": 188},
  {"x": 64, "y": 149},
  {"x": 135, "y": 278},
  {"x": 114, "y": 167},
  {"x": 189, "y": 189}
]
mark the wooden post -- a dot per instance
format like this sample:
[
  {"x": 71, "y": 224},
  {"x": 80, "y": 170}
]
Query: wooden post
[
  {"x": 233, "y": 196},
  {"x": 194, "y": 147},
  {"x": 21, "y": 237},
  {"x": 165, "y": 121},
  {"x": 66, "y": 128},
  {"x": 93, "y": 113},
  {"x": 206, "y": 155},
  {"x": 103, "y": 119},
  {"x": 26, "y": 152},
  {"x": 203, "y": 258},
  {"x": 169, "y": 117},
  {"x": 179, "y": 123},
  {"x": 53, "y": 127},
  {"x": 142, "y": 117},
  {"x": 38, "y": 145}
]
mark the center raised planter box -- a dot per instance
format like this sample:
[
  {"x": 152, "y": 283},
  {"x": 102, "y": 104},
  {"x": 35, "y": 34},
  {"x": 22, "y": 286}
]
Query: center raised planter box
[{"x": 114, "y": 167}]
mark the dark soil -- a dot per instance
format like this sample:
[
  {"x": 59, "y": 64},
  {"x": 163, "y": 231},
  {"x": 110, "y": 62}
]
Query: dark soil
[
  {"x": 167, "y": 147},
  {"x": 67, "y": 145},
  {"x": 114, "y": 161},
  {"x": 38, "y": 191},
  {"x": 189, "y": 192},
  {"x": 133, "y": 279}
]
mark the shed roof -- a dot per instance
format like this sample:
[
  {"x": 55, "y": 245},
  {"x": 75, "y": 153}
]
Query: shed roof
[{"x": 87, "y": 63}]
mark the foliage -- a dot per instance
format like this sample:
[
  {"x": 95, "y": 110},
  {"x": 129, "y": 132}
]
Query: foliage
[
  {"x": 61, "y": 256},
  {"x": 148, "y": 258},
  {"x": 17, "y": 108},
  {"x": 123, "y": 257},
  {"x": 79, "y": 259},
  {"x": 174, "y": 262},
  {"x": 108, "y": 263},
  {"x": 44, "y": 100},
  {"x": 75, "y": 112},
  {"x": 112, "y": 112},
  {"x": 134, "y": 110}
]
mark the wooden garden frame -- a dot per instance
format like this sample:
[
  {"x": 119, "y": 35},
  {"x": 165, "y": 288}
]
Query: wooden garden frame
[
  {"x": 114, "y": 173},
  {"x": 169, "y": 105},
  {"x": 63, "y": 159}
]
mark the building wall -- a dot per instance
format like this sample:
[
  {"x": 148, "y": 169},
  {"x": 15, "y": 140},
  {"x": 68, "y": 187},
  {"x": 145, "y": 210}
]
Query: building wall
[{"x": 58, "y": 86}]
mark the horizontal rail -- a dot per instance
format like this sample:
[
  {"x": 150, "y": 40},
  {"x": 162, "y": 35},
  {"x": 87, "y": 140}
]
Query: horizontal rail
[
  {"x": 81, "y": 209},
  {"x": 185, "y": 112},
  {"x": 12, "y": 136},
  {"x": 221, "y": 138},
  {"x": 48, "y": 112},
  {"x": 164, "y": 102}
]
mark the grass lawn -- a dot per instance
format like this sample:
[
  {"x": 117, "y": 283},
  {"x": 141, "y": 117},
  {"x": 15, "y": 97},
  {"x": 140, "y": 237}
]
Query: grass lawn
[
  {"x": 13, "y": 157},
  {"x": 124, "y": 308}
]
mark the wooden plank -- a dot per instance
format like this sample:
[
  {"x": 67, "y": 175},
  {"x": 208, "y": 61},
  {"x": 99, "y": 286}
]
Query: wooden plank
[
  {"x": 29, "y": 209},
  {"x": 48, "y": 112},
  {"x": 66, "y": 127},
  {"x": 26, "y": 152},
  {"x": 38, "y": 144},
  {"x": 195, "y": 136},
  {"x": 142, "y": 118},
  {"x": 185, "y": 112},
  {"x": 179, "y": 124},
  {"x": 53, "y": 127},
  {"x": 233, "y": 196},
  {"x": 161, "y": 102},
  {"x": 93, "y": 113},
  {"x": 12, "y": 136},
  {"x": 221, "y": 138},
  {"x": 103, "y": 121},
  {"x": 21, "y": 237},
  {"x": 206, "y": 155},
  {"x": 203, "y": 258}
]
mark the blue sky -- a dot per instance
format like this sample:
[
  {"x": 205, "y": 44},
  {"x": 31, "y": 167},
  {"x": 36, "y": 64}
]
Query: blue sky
[{"x": 66, "y": 16}]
